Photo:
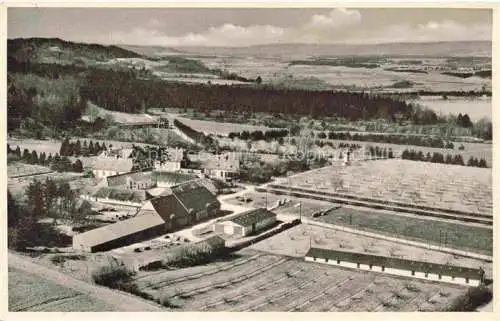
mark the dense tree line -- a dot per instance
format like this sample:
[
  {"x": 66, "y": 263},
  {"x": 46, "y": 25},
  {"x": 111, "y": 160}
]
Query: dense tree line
[
  {"x": 440, "y": 158},
  {"x": 392, "y": 139},
  {"x": 56, "y": 162},
  {"x": 197, "y": 136},
  {"x": 121, "y": 91},
  {"x": 78, "y": 149},
  {"x": 259, "y": 135},
  {"x": 44, "y": 199}
]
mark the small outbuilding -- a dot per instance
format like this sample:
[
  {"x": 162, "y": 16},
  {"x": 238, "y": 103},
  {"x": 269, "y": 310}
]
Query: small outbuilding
[{"x": 246, "y": 223}]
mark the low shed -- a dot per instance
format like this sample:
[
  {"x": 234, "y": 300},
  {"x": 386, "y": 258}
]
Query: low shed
[
  {"x": 246, "y": 223},
  {"x": 401, "y": 267}
]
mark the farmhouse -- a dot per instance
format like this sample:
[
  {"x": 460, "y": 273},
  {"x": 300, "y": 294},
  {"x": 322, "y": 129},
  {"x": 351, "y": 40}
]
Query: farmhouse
[
  {"x": 188, "y": 204},
  {"x": 396, "y": 266},
  {"x": 246, "y": 223},
  {"x": 109, "y": 166},
  {"x": 224, "y": 166},
  {"x": 171, "y": 161},
  {"x": 132, "y": 180}
]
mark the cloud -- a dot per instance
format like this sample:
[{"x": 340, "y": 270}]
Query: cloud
[
  {"x": 321, "y": 27},
  {"x": 334, "y": 26},
  {"x": 432, "y": 31}
]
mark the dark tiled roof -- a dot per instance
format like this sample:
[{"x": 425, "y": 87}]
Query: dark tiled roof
[
  {"x": 253, "y": 216},
  {"x": 136, "y": 196},
  {"x": 194, "y": 195},
  {"x": 395, "y": 263}
]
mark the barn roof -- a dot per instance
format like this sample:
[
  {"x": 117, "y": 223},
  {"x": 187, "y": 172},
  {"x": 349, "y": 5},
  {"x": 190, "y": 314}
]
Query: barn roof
[
  {"x": 396, "y": 263},
  {"x": 120, "y": 229},
  {"x": 113, "y": 164},
  {"x": 193, "y": 195},
  {"x": 130, "y": 195},
  {"x": 253, "y": 216}
]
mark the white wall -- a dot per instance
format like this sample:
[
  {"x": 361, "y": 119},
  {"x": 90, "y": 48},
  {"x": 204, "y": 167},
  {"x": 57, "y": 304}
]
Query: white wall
[{"x": 399, "y": 272}]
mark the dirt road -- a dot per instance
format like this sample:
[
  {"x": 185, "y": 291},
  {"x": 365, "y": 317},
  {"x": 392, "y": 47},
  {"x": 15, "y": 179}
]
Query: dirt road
[{"x": 122, "y": 301}]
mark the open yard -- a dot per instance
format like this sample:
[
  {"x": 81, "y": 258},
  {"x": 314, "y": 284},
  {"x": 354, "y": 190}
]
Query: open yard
[
  {"x": 439, "y": 186},
  {"x": 256, "y": 281},
  {"x": 28, "y": 292}
]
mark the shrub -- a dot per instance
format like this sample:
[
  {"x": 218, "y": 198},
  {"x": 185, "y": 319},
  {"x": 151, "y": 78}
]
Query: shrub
[
  {"x": 473, "y": 298},
  {"x": 115, "y": 277}
]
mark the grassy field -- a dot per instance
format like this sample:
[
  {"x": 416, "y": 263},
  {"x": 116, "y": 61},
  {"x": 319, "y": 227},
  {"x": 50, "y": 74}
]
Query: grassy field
[
  {"x": 297, "y": 240},
  {"x": 218, "y": 128},
  {"x": 21, "y": 169},
  {"x": 93, "y": 111},
  {"x": 265, "y": 282},
  {"x": 475, "y": 239},
  {"x": 40, "y": 146},
  {"x": 439, "y": 186},
  {"x": 29, "y": 292}
]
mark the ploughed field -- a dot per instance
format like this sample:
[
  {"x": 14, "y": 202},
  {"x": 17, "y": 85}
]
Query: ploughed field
[
  {"x": 257, "y": 281},
  {"x": 28, "y": 292},
  {"x": 439, "y": 186}
]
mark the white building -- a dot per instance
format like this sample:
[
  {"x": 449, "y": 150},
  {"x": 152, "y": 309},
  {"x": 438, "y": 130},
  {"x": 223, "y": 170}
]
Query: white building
[
  {"x": 399, "y": 267},
  {"x": 246, "y": 223}
]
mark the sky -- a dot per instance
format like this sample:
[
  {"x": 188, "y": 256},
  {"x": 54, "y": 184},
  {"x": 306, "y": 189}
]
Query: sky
[{"x": 231, "y": 27}]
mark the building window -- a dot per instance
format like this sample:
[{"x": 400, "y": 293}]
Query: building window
[{"x": 413, "y": 273}]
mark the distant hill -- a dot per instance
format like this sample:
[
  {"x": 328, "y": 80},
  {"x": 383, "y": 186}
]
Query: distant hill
[
  {"x": 153, "y": 51},
  {"x": 47, "y": 50},
  {"x": 428, "y": 49}
]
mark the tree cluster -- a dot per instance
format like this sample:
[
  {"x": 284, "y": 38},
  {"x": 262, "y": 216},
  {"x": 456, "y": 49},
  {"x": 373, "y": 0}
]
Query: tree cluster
[
  {"x": 380, "y": 152},
  {"x": 426, "y": 141},
  {"x": 464, "y": 121},
  {"x": 267, "y": 135},
  {"x": 78, "y": 149},
  {"x": 44, "y": 199},
  {"x": 121, "y": 91},
  {"x": 56, "y": 163},
  {"x": 440, "y": 158}
]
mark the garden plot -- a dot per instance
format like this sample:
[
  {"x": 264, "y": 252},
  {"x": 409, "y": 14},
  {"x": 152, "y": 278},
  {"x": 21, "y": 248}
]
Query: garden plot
[
  {"x": 29, "y": 292},
  {"x": 297, "y": 241},
  {"x": 438, "y": 186},
  {"x": 256, "y": 281}
]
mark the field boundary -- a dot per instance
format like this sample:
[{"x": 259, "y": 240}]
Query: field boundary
[{"x": 473, "y": 255}]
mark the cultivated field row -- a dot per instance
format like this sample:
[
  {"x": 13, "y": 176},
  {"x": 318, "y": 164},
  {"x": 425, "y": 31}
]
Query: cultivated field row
[{"x": 270, "y": 282}]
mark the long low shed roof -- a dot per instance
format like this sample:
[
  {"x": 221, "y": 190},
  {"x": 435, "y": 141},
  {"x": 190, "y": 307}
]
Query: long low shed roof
[
  {"x": 389, "y": 262},
  {"x": 120, "y": 229}
]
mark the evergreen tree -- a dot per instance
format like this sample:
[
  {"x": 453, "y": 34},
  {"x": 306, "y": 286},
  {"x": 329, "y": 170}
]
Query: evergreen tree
[
  {"x": 458, "y": 160},
  {"x": 78, "y": 166},
  {"x": 482, "y": 163},
  {"x": 50, "y": 198},
  {"x": 18, "y": 152},
  {"x": 49, "y": 159},
  {"x": 78, "y": 149},
  {"x": 65, "y": 148},
  {"x": 91, "y": 149},
  {"x": 34, "y": 157},
  {"x": 26, "y": 155},
  {"x": 42, "y": 159},
  {"x": 449, "y": 159},
  {"x": 35, "y": 202}
]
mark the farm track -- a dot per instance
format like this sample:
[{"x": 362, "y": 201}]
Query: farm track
[
  {"x": 207, "y": 285},
  {"x": 463, "y": 219}
]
